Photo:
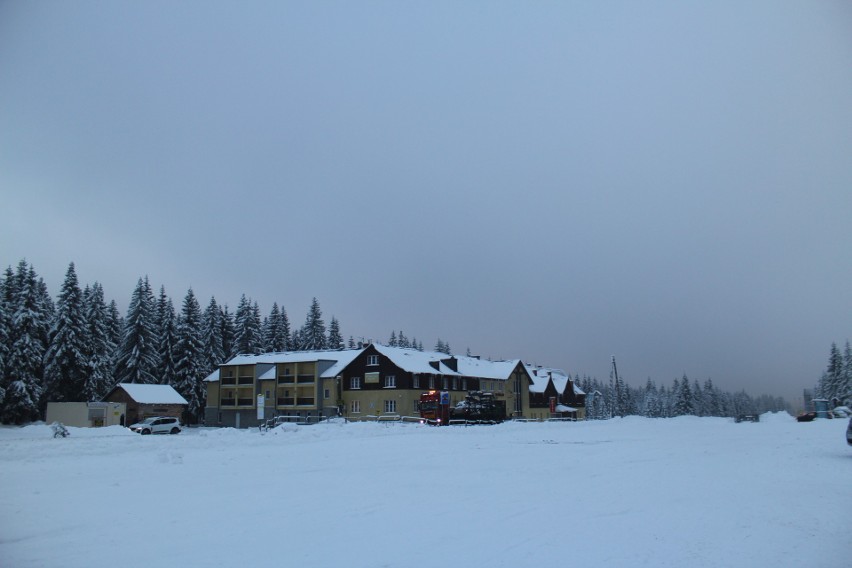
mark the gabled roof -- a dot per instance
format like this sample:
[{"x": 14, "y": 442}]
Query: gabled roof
[
  {"x": 150, "y": 394},
  {"x": 560, "y": 378},
  {"x": 339, "y": 359},
  {"x": 415, "y": 361}
]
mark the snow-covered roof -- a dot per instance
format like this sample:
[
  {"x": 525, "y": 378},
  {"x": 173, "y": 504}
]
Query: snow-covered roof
[
  {"x": 415, "y": 361},
  {"x": 212, "y": 377},
  {"x": 338, "y": 358},
  {"x": 560, "y": 379},
  {"x": 151, "y": 394},
  {"x": 563, "y": 408}
]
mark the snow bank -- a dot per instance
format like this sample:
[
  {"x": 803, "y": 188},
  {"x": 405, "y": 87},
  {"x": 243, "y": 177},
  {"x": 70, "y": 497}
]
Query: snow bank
[{"x": 695, "y": 492}]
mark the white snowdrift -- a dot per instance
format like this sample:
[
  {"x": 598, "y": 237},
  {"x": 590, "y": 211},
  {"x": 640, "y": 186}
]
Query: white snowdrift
[{"x": 625, "y": 492}]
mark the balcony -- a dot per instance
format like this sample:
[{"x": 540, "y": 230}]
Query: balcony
[
  {"x": 229, "y": 380},
  {"x": 304, "y": 401},
  {"x": 245, "y": 402},
  {"x": 304, "y": 379},
  {"x": 246, "y": 381},
  {"x": 227, "y": 402},
  {"x": 286, "y": 401},
  {"x": 286, "y": 379}
]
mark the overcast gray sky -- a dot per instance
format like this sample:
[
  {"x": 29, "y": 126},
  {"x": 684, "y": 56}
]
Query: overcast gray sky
[{"x": 669, "y": 182}]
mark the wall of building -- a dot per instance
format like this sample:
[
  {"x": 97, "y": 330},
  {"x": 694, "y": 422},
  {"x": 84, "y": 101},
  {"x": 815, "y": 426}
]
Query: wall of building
[{"x": 86, "y": 414}]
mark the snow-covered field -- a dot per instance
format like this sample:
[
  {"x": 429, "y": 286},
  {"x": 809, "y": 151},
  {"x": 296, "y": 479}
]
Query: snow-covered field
[{"x": 678, "y": 492}]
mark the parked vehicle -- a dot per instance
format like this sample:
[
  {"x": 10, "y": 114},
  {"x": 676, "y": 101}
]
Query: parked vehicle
[
  {"x": 157, "y": 425},
  {"x": 747, "y": 418},
  {"x": 849, "y": 433},
  {"x": 806, "y": 416}
]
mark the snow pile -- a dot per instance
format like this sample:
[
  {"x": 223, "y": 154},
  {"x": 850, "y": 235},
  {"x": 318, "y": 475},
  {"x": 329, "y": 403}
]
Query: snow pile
[{"x": 624, "y": 492}]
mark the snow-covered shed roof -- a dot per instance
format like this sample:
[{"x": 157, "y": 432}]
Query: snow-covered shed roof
[
  {"x": 150, "y": 394},
  {"x": 212, "y": 377}
]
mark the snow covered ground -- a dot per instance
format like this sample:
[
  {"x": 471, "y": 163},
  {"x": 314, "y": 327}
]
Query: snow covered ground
[{"x": 681, "y": 492}]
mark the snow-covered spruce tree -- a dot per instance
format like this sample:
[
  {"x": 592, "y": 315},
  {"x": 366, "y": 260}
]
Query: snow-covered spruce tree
[
  {"x": 115, "y": 327},
  {"x": 66, "y": 361},
  {"x": 440, "y": 347},
  {"x": 845, "y": 392},
  {"x": 392, "y": 341},
  {"x": 351, "y": 343},
  {"x": 698, "y": 399},
  {"x": 189, "y": 352},
  {"x": 685, "y": 404},
  {"x": 274, "y": 340},
  {"x": 136, "y": 360},
  {"x": 99, "y": 345},
  {"x": 402, "y": 340},
  {"x": 26, "y": 357},
  {"x": 313, "y": 332},
  {"x": 228, "y": 332},
  {"x": 211, "y": 336},
  {"x": 831, "y": 385},
  {"x": 335, "y": 340},
  {"x": 167, "y": 335},
  {"x": 5, "y": 318},
  {"x": 247, "y": 332}
]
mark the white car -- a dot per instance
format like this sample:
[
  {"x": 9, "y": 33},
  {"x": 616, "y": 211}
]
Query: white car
[{"x": 157, "y": 425}]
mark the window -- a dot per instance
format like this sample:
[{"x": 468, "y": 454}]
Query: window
[
  {"x": 355, "y": 383},
  {"x": 327, "y": 394},
  {"x": 446, "y": 382},
  {"x": 390, "y": 406},
  {"x": 390, "y": 382},
  {"x": 416, "y": 406},
  {"x": 356, "y": 407},
  {"x": 455, "y": 383},
  {"x": 267, "y": 394},
  {"x": 373, "y": 360},
  {"x": 415, "y": 382},
  {"x": 432, "y": 383},
  {"x": 464, "y": 384}
]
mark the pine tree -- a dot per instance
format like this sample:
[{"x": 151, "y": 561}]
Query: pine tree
[
  {"x": 167, "y": 335},
  {"x": 115, "y": 326},
  {"x": 136, "y": 361},
  {"x": 247, "y": 336},
  {"x": 99, "y": 346},
  {"x": 351, "y": 343},
  {"x": 228, "y": 333},
  {"x": 211, "y": 336},
  {"x": 402, "y": 341},
  {"x": 66, "y": 361},
  {"x": 832, "y": 382},
  {"x": 312, "y": 336},
  {"x": 684, "y": 402},
  {"x": 25, "y": 366},
  {"x": 712, "y": 401},
  {"x": 285, "y": 331},
  {"x": 5, "y": 322},
  {"x": 439, "y": 346},
  {"x": 189, "y": 351},
  {"x": 845, "y": 391},
  {"x": 335, "y": 340},
  {"x": 392, "y": 341},
  {"x": 273, "y": 331}
]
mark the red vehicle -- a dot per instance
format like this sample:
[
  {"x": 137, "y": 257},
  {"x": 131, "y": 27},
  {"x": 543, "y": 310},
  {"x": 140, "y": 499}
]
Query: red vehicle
[{"x": 431, "y": 408}]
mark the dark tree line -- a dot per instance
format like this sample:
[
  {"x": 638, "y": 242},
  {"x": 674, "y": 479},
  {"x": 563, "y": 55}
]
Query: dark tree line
[
  {"x": 79, "y": 347},
  {"x": 681, "y": 398}
]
